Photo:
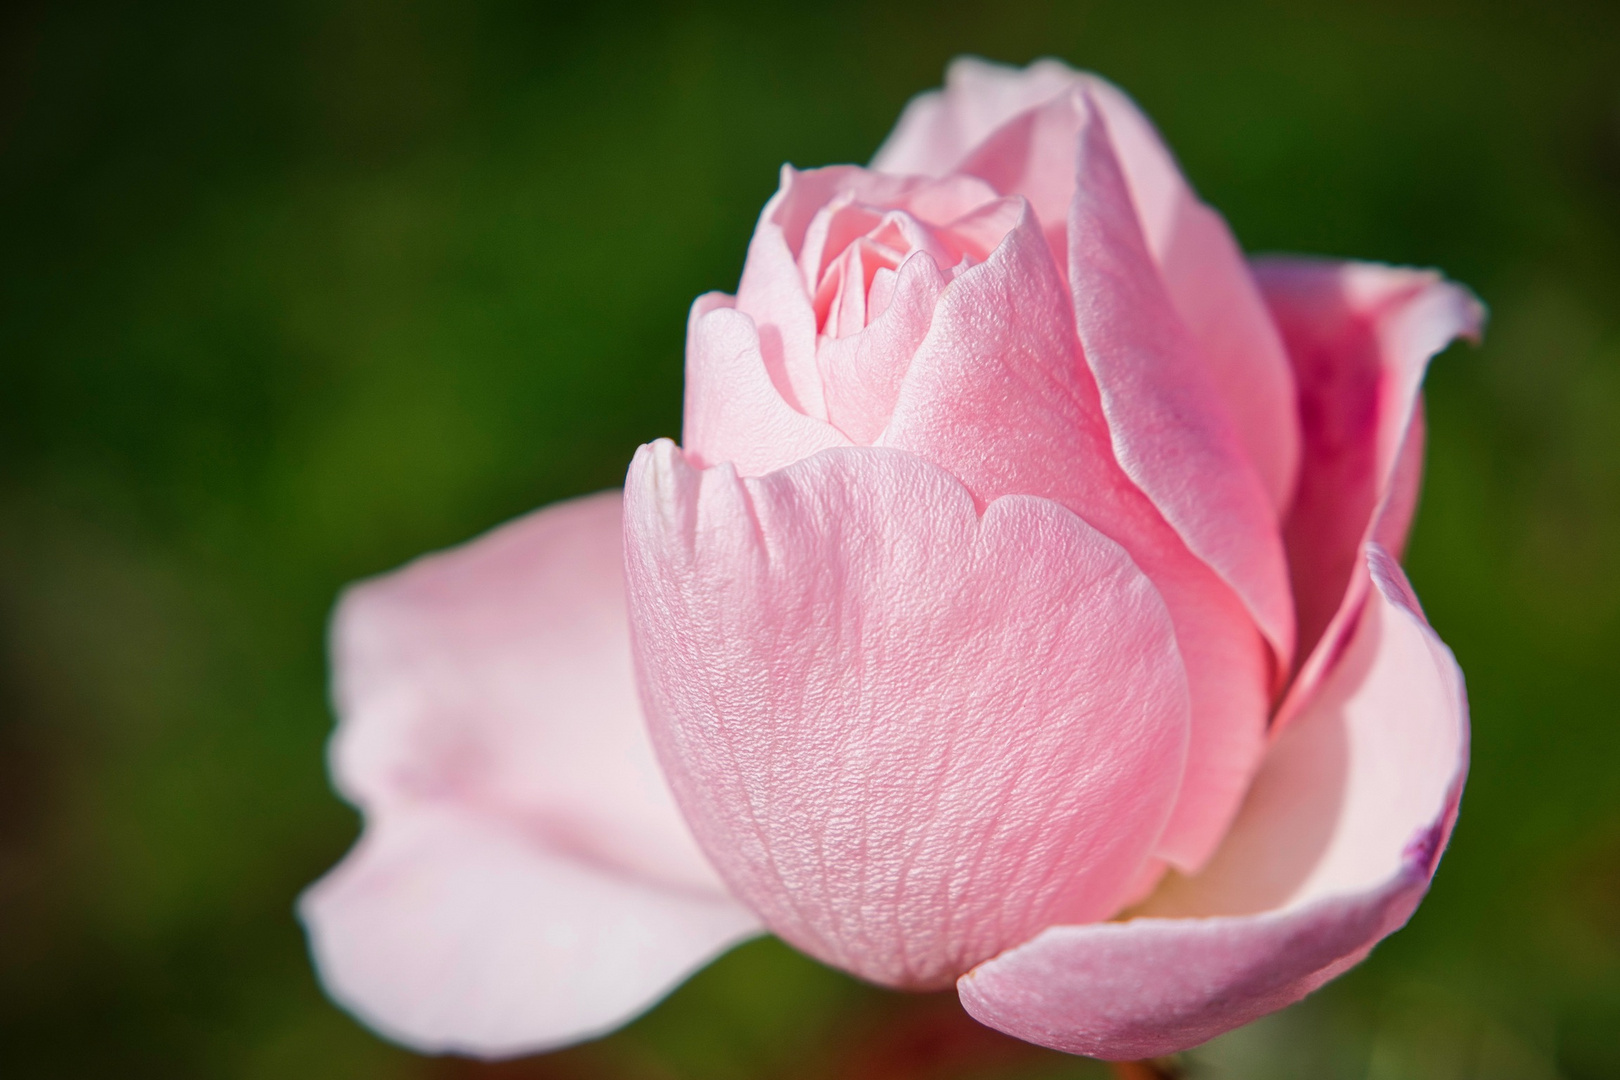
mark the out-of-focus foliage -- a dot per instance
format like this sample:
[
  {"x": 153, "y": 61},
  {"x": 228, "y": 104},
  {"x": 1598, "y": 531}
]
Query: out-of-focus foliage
[{"x": 290, "y": 292}]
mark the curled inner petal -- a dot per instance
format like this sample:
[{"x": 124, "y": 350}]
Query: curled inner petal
[{"x": 845, "y": 273}]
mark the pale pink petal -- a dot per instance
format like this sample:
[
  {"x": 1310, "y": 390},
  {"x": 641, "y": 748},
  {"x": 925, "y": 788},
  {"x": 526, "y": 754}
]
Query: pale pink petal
[
  {"x": 1360, "y": 336},
  {"x": 1334, "y": 849},
  {"x": 796, "y": 238},
  {"x": 1169, "y": 433},
  {"x": 734, "y": 412},
  {"x": 861, "y": 373},
  {"x": 1019, "y": 130},
  {"x": 491, "y": 734},
  {"x": 908, "y": 736},
  {"x": 1034, "y": 155},
  {"x": 773, "y": 291},
  {"x": 998, "y": 396},
  {"x": 1214, "y": 293},
  {"x": 450, "y": 930},
  {"x": 938, "y": 128}
]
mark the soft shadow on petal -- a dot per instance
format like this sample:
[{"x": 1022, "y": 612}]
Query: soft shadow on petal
[
  {"x": 517, "y": 826},
  {"x": 908, "y": 735},
  {"x": 1359, "y": 336},
  {"x": 1333, "y": 850}
]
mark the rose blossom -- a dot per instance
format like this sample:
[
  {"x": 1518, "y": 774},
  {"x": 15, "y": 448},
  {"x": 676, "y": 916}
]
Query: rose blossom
[{"x": 1018, "y": 612}]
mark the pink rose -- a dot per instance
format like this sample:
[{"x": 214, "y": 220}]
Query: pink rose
[{"x": 1019, "y": 613}]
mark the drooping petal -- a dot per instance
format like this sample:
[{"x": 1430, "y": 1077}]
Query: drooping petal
[
  {"x": 1360, "y": 337},
  {"x": 734, "y": 412},
  {"x": 1334, "y": 849},
  {"x": 907, "y": 735},
  {"x": 998, "y": 396},
  {"x": 450, "y": 930},
  {"x": 525, "y": 879},
  {"x": 1019, "y": 129}
]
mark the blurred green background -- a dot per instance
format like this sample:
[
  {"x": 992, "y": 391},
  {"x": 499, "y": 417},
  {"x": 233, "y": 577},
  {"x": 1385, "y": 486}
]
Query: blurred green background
[{"x": 291, "y": 292}]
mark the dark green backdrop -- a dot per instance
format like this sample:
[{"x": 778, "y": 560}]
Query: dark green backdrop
[{"x": 292, "y": 292}]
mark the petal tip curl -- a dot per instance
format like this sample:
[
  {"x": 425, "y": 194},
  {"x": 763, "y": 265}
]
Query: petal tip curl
[{"x": 1333, "y": 851}]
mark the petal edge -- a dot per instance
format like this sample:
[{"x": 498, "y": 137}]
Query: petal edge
[{"x": 1282, "y": 908}]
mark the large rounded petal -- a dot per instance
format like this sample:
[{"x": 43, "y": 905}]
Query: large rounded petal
[
  {"x": 908, "y": 735},
  {"x": 1020, "y": 128},
  {"x": 1333, "y": 850},
  {"x": 998, "y": 396},
  {"x": 1360, "y": 337},
  {"x": 524, "y": 879}
]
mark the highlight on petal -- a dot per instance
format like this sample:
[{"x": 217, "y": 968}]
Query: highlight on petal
[
  {"x": 1334, "y": 848},
  {"x": 908, "y": 735},
  {"x": 1020, "y": 128},
  {"x": 524, "y": 879},
  {"x": 1215, "y": 295},
  {"x": 998, "y": 396},
  {"x": 1360, "y": 337}
]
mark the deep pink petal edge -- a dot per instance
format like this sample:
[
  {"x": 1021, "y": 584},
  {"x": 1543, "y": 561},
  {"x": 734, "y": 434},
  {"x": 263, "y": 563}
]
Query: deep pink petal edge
[{"x": 1360, "y": 337}]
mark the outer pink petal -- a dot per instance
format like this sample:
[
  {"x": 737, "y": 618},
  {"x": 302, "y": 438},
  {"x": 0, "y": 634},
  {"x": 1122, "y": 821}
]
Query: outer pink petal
[
  {"x": 1334, "y": 849},
  {"x": 734, "y": 412},
  {"x": 1019, "y": 128},
  {"x": 1360, "y": 337},
  {"x": 524, "y": 879},
  {"x": 939, "y": 128},
  {"x": 1216, "y": 297},
  {"x": 1169, "y": 432},
  {"x": 998, "y": 396},
  {"x": 907, "y": 735}
]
